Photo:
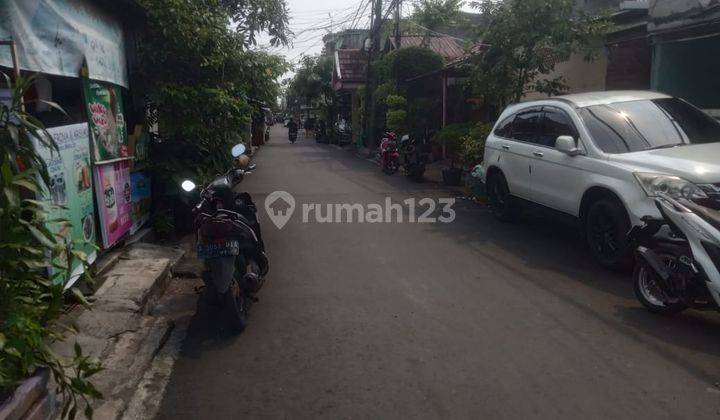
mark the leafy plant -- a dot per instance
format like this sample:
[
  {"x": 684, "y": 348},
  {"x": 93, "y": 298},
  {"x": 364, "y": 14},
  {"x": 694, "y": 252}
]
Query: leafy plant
[
  {"x": 34, "y": 261},
  {"x": 198, "y": 72},
  {"x": 527, "y": 39},
  {"x": 472, "y": 145}
]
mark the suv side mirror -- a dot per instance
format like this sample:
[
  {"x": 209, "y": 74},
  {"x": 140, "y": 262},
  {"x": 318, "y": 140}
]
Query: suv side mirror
[{"x": 567, "y": 145}]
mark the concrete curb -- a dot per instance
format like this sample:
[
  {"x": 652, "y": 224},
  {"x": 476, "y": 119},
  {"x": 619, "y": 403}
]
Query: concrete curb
[{"x": 119, "y": 330}]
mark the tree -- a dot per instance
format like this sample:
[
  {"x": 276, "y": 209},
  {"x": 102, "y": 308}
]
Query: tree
[
  {"x": 527, "y": 38},
  {"x": 431, "y": 15},
  {"x": 312, "y": 83},
  {"x": 197, "y": 70}
]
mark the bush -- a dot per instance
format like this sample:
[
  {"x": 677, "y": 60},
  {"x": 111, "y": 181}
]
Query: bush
[
  {"x": 31, "y": 301},
  {"x": 451, "y": 135},
  {"x": 472, "y": 149},
  {"x": 396, "y": 120}
]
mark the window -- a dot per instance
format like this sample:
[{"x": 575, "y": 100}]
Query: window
[
  {"x": 527, "y": 126},
  {"x": 648, "y": 124},
  {"x": 503, "y": 129},
  {"x": 556, "y": 124}
]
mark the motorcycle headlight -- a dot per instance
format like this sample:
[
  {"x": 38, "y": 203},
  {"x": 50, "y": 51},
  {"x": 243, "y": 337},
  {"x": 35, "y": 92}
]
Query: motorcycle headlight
[{"x": 674, "y": 186}]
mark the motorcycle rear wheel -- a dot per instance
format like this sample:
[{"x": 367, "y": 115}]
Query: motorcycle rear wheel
[
  {"x": 650, "y": 294},
  {"x": 234, "y": 307},
  {"x": 391, "y": 166}
]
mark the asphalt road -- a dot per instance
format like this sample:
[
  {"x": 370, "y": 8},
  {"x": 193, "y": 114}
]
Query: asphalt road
[{"x": 472, "y": 319}]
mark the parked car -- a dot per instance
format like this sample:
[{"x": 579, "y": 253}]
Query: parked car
[{"x": 600, "y": 158}]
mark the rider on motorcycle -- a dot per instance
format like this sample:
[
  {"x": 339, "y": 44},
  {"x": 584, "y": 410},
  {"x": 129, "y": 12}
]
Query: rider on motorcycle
[{"x": 292, "y": 127}]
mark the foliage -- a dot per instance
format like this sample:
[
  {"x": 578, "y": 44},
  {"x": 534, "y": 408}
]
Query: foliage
[
  {"x": 396, "y": 116},
  {"x": 472, "y": 145},
  {"x": 452, "y": 134},
  {"x": 203, "y": 101},
  {"x": 527, "y": 39},
  {"x": 31, "y": 301},
  {"x": 422, "y": 99},
  {"x": 312, "y": 83},
  {"x": 431, "y": 15}
]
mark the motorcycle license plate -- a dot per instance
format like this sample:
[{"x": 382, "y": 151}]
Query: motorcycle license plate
[{"x": 218, "y": 249}]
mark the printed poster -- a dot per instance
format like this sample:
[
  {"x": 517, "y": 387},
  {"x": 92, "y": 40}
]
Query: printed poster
[
  {"x": 141, "y": 200},
  {"x": 70, "y": 188},
  {"x": 114, "y": 200},
  {"x": 107, "y": 120}
]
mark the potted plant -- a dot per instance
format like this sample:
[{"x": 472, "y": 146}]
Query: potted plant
[{"x": 450, "y": 137}]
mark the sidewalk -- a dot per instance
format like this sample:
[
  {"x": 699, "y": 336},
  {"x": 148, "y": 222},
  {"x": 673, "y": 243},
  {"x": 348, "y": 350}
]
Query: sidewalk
[{"x": 121, "y": 329}]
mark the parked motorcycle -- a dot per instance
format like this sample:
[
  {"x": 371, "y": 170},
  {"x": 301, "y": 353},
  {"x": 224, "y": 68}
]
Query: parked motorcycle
[
  {"x": 388, "y": 156},
  {"x": 230, "y": 243},
  {"x": 679, "y": 269},
  {"x": 413, "y": 158}
]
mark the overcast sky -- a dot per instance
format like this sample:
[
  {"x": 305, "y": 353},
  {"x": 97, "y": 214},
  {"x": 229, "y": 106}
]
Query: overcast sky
[{"x": 310, "y": 20}]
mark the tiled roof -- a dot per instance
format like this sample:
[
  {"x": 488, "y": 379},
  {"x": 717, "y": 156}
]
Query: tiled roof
[
  {"x": 447, "y": 47},
  {"x": 351, "y": 66}
]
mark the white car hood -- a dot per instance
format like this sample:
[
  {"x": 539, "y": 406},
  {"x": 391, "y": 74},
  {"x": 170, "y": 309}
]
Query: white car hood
[{"x": 699, "y": 163}]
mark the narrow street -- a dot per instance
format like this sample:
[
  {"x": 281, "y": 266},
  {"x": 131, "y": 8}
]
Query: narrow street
[{"x": 472, "y": 319}]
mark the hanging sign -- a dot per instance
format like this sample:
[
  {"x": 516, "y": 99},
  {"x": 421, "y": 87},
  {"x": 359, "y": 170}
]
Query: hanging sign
[
  {"x": 114, "y": 200},
  {"x": 70, "y": 189},
  {"x": 55, "y": 36},
  {"x": 107, "y": 120}
]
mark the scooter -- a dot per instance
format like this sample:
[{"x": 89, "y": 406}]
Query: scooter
[
  {"x": 679, "y": 269},
  {"x": 230, "y": 243},
  {"x": 292, "y": 135},
  {"x": 413, "y": 158},
  {"x": 388, "y": 156}
]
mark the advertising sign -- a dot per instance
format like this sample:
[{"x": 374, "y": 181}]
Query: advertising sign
[
  {"x": 70, "y": 188},
  {"x": 114, "y": 200},
  {"x": 55, "y": 36},
  {"x": 140, "y": 200},
  {"x": 107, "y": 121}
]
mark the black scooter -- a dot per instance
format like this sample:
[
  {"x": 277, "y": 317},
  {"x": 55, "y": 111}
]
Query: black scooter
[
  {"x": 230, "y": 243},
  {"x": 413, "y": 158}
]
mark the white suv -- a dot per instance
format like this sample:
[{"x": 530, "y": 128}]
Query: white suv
[{"x": 600, "y": 157}]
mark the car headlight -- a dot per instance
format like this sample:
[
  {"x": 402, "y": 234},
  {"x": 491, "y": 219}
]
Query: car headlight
[{"x": 674, "y": 186}]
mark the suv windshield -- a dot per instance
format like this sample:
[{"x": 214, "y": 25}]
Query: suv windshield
[{"x": 648, "y": 124}]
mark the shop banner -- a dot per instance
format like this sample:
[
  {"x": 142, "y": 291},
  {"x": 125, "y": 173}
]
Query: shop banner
[
  {"x": 114, "y": 200},
  {"x": 140, "y": 200},
  {"x": 107, "y": 121},
  {"x": 70, "y": 188},
  {"x": 55, "y": 36}
]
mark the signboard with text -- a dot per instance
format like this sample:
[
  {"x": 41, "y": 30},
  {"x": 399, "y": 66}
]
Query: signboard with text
[
  {"x": 107, "y": 121},
  {"x": 141, "y": 200},
  {"x": 114, "y": 200},
  {"x": 70, "y": 188}
]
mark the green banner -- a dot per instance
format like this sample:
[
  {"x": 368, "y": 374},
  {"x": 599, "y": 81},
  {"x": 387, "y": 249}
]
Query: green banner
[
  {"x": 70, "y": 188},
  {"x": 107, "y": 121}
]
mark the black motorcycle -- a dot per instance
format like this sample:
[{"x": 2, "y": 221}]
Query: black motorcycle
[
  {"x": 230, "y": 243},
  {"x": 413, "y": 158},
  {"x": 292, "y": 136}
]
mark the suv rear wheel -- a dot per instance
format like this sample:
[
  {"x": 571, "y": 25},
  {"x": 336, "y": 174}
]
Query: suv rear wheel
[
  {"x": 606, "y": 228},
  {"x": 500, "y": 199}
]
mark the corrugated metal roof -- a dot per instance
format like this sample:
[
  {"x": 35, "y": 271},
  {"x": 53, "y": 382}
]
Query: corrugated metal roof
[{"x": 447, "y": 47}]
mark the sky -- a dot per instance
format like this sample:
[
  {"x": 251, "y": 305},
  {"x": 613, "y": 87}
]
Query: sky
[{"x": 310, "y": 20}]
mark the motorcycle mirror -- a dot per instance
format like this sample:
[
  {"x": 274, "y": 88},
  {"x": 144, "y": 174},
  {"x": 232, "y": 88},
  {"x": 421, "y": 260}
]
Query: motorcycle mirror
[
  {"x": 188, "y": 185},
  {"x": 238, "y": 150}
]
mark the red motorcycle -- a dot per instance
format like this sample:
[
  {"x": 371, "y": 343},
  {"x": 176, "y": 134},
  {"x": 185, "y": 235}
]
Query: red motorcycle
[{"x": 388, "y": 154}]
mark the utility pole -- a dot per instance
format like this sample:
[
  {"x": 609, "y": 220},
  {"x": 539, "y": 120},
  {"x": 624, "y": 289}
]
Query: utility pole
[
  {"x": 397, "y": 23},
  {"x": 369, "y": 122}
]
